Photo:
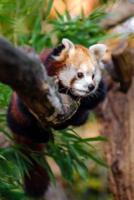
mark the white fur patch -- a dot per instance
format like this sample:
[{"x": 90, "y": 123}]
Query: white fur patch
[
  {"x": 80, "y": 86},
  {"x": 87, "y": 67},
  {"x": 68, "y": 45},
  {"x": 66, "y": 75},
  {"x": 84, "y": 67},
  {"x": 98, "y": 51}
]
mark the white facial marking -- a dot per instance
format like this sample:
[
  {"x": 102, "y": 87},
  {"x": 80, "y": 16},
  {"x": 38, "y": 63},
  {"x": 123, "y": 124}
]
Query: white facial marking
[
  {"x": 84, "y": 67},
  {"x": 66, "y": 75},
  {"x": 80, "y": 86}
]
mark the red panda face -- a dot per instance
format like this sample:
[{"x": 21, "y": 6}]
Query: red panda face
[{"x": 81, "y": 67}]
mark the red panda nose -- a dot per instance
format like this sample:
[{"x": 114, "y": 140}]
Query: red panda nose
[{"x": 91, "y": 87}]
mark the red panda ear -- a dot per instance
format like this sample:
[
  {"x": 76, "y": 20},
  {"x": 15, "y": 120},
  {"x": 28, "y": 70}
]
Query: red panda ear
[
  {"x": 69, "y": 46},
  {"x": 66, "y": 51},
  {"x": 97, "y": 51}
]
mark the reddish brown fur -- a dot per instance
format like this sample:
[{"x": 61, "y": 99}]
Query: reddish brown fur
[
  {"x": 18, "y": 116},
  {"x": 37, "y": 181},
  {"x": 80, "y": 55}
]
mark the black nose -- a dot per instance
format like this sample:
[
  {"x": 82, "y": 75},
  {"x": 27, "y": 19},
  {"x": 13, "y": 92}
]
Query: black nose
[{"x": 91, "y": 87}]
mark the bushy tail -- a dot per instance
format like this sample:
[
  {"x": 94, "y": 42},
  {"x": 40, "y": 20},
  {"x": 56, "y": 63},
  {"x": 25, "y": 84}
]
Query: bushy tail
[
  {"x": 28, "y": 134},
  {"x": 36, "y": 183},
  {"x": 36, "y": 180}
]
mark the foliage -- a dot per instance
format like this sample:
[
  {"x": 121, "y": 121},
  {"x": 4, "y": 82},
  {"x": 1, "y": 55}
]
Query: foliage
[
  {"x": 27, "y": 22},
  {"x": 11, "y": 169},
  {"x": 24, "y": 22},
  {"x": 87, "y": 29},
  {"x": 5, "y": 92},
  {"x": 20, "y": 21},
  {"x": 71, "y": 152}
]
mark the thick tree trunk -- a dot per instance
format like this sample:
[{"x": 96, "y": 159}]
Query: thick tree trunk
[{"x": 117, "y": 113}]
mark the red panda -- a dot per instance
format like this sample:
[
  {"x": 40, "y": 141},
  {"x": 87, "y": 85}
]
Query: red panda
[
  {"x": 76, "y": 67},
  {"x": 77, "y": 71}
]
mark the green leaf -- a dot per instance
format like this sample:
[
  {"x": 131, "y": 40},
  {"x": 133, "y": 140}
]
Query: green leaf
[
  {"x": 98, "y": 160},
  {"x": 6, "y": 133},
  {"x": 2, "y": 157},
  {"x": 49, "y": 6},
  {"x": 94, "y": 139}
]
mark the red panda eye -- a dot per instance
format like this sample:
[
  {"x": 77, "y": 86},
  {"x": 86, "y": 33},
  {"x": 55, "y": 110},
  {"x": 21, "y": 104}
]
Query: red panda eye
[
  {"x": 80, "y": 75},
  {"x": 93, "y": 76}
]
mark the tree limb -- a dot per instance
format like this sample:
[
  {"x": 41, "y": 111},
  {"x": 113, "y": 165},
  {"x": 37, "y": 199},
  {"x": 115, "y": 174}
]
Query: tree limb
[{"x": 120, "y": 12}]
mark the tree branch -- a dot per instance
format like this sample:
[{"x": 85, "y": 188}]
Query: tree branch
[{"x": 120, "y": 12}]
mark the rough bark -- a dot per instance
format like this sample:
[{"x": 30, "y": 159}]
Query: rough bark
[
  {"x": 27, "y": 76},
  {"x": 117, "y": 113}
]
